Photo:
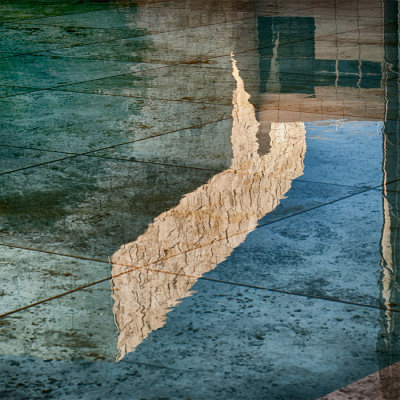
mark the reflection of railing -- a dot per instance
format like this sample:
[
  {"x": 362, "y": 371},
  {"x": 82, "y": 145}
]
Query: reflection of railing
[{"x": 206, "y": 226}]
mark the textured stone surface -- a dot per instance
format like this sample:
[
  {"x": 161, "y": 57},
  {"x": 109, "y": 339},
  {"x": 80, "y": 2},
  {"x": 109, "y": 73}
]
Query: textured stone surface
[
  {"x": 76, "y": 122},
  {"x": 199, "y": 199},
  {"x": 235, "y": 336}
]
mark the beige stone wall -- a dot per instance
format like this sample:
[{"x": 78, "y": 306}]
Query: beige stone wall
[
  {"x": 208, "y": 224},
  {"x": 329, "y": 103}
]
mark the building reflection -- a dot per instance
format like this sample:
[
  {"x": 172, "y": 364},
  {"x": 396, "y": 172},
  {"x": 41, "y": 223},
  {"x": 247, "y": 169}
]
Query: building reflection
[
  {"x": 207, "y": 225},
  {"x": 317, "y": 79},
  {"x": 305, "y": 68},
  {"x": 388, "y": 348}
]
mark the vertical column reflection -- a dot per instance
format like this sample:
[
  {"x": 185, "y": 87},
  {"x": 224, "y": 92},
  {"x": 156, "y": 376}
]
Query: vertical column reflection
[{"x": 388, "y": 349}]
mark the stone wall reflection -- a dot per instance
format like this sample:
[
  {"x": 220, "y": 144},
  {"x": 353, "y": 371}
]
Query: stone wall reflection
[
  {"x": 388, "y": 348},
  {"x": 206, "y": 226}
]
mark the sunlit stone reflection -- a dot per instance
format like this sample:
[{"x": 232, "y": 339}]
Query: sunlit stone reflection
[{"x": 205, "y": 227}]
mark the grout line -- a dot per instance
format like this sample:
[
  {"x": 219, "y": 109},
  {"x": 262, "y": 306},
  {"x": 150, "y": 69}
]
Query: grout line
[
  {"x": 148, "y": 7},
  {"x": 39, "y": 164},
  {"x": 183, "y": 29},
  {"x": 17, "y": 86},
  {"x": 22, "y": 21},
  {"x": 177, "y": 63},
  {"x": 299, "y": 294},
  {"x": 55, "y": 253},
  {"x": 66, "y": 15},
  {"x": 110, "y": 277},
  {"x": 110, "y": 158},
  {"x": 156, "y": 163},
  {"x": 197, "y": 101},
  {"x": 218, "y": 103},
  {"x": 236, "y": 18},
  {"x": 74, "y": 155},
  {"x": 302, "y": 40},
  {"x": 257, "y": 109},
  {"x": 89, "y": 153},
  {"x": 144, "y": 35},
  {"x": 179, "y": 166},
  {"x": 49, "y": 88},
  {"x": 305, "y": 74},
  {"x": 145, "y": 267},
  {"x": 270, "y": 289},
  {"x": 361, "y": 191},
  {"x": 149, "y": 70},
  {"x": 332, "y": 184},
  {"x": 386, "y": 189},
  {"x": 35, "y": 149}
]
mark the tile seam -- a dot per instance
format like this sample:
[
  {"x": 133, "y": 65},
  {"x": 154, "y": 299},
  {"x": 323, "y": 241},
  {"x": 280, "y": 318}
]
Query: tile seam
[{"x": 145, "y": 268}]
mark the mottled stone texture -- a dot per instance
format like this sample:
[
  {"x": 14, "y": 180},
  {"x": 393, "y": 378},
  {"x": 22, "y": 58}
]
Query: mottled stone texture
[{"x": 199, "y": 199}]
